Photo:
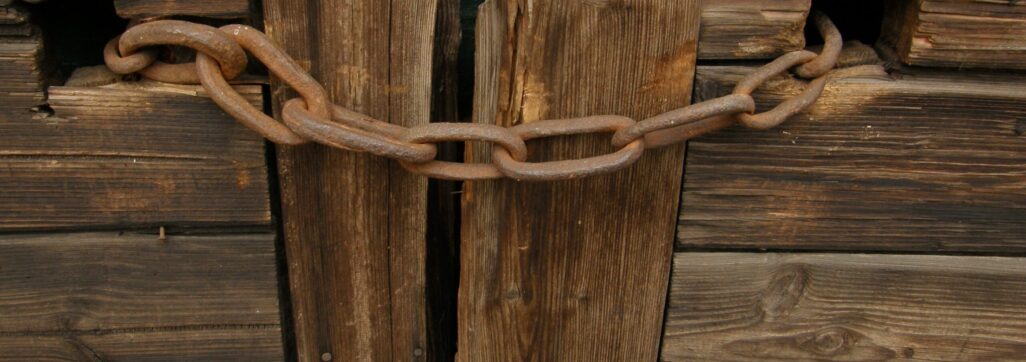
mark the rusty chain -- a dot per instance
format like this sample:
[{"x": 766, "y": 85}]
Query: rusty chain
[{"x": 221, "y": 56}]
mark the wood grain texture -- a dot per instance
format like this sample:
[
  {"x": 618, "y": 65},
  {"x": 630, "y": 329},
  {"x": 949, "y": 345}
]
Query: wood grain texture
[
  {"x": 957, "y": 33},
  {"x": 355, "y": 223},
  {"x": 930, "y": 162},
  {"x": 573, "y": 270},
  {"x": 845, "y": 307},
  {"x": 204, "y": 8},
  {"x": 132, "y": 154},
  {"x": 21, "y": 72},
  {"x": 127, "y": 295},
  {"x": 751, "y": 29}
]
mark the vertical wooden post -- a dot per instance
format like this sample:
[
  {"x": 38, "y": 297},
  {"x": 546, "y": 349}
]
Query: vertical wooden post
[
  {"x": 355, "y": 224},
  {"x": 574, "y": 270}
]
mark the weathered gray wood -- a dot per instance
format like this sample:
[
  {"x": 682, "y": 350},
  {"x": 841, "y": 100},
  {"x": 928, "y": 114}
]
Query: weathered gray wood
[
  {"x": 128, "y": 295},
  {"x": 355, "y": 223},
  {"x": 133, "y": 154},
  {"x": 845, "y": 307},
  {"x": 573, "y": 270},
  {"x": 205, "y": 8},
  {"x": 751, "y": 29},
  {"x": 926, "y": 162},
  {"x": 957, "y": 33}
]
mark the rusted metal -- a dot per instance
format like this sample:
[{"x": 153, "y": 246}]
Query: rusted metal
[
  {"x": 281, "y": 65},
  {"x": 832, "y": 45},
  {"x": 670, "y": 127},
  {"x": 323, "y": 131},
  {"x": 514, "y": 167},
  {"x": 441, "y": 132},
  {"x": 221, "y": 56},
  {"x": 203, "y": 38},
  {"x": 127, "y": 64},
  {"x": 785, "y": 109}
]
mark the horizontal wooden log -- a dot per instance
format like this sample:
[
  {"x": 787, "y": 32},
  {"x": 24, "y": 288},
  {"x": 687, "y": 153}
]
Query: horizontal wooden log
[
  {"x": 928, "y": 162},
  {"x": 957, "y": 33},
  {"x": 21, "y": 73},
  {"x": 131, "y": 154},
  {"x": 133, "y": 296},
  {"x": 751, "y": 29},
  {"x": 205, "y": 8},
  {"x": 845, "y": 307},
  {"x": 228, "y": 344}
]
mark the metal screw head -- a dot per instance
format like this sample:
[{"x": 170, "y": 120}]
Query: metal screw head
[{"x": 326, "y": 357}]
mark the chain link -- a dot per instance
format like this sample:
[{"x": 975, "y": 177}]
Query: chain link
[{"x": 221, "y": 56}]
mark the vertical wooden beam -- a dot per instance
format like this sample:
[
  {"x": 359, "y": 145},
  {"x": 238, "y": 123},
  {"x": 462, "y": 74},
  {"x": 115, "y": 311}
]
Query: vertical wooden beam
[
  {"x": 574, "y": 270},
  {"x": 355, "y": 224}
]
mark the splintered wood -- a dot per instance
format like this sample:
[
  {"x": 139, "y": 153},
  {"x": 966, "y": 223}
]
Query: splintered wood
[
  {"x": 957, "y": 33},
  {"x": 751, "y": 29}
]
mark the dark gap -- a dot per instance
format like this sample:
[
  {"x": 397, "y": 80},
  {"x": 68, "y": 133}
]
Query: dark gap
[
  {"x": 288, "y": 333},
  {"x": 74, "y": 33},
  {"x": 857, "y": 20}
]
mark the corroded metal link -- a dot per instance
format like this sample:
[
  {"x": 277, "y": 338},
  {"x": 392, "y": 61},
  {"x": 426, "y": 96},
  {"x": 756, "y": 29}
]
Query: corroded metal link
[
  {"x": 312, "y": 126},
  {"x": 785, "y": 109},
  {"x": 279, "y": 64},
  {"x": 203, "y": 38},
  {"x": 670, "y": 127},
  {"x": 127, "y": 64},
  {"x": 221, "y": 56},
  {"x": 832, "y": 45},
  {"x": 778, "y": 66},
  {"x": 514, "y": 167},
  {"x": 440, "y": 132}
]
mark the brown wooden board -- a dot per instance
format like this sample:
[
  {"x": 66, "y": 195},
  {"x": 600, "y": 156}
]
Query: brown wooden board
[
  {"x": 355, "y": 223},
  {"x": 751, "y": 29},
  {"x": 845, "y": 307},
  {"x": 21, "y": 74},
  {"x": 113, "y": 295},
  {"x": 573, "y": 270},
  {"x": 204, "y": 8},
  {"x": 957, "y": 33},
  {"x": 132, "y": 154},
  {"x": 926, "y": 163}
]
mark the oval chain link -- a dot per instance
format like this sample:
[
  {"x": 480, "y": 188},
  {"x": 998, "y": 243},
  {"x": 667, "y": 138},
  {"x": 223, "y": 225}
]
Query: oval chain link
[
  {"x": 221, "y": 56},
  {"x": 514, "y": 167}
]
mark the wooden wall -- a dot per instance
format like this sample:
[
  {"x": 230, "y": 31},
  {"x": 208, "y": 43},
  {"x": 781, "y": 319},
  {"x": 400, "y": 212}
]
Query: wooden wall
[
  {"x": 883, "y": 223},
  {"x": 92, "y": 176}
]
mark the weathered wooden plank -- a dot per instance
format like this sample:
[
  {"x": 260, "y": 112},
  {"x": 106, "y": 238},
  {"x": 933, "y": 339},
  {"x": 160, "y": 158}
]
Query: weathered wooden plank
[
  {"x": 929, "y": 162},
  {"x": 227, "y": 344},
  {"x": 355, "y": 223},
  {"x": 205, "y": 8},
  {"x": 751, "y": 29},
  {"x": 845, "y": 307},
  {"x": 115, "y": 280},
  {"x": 957, "y": 33},
  {"x": 21, "y": 74},
  {"x": 128, "y": 294},
  {"x": 573, "y": 270},
  {"x": 131, "y": 154}
]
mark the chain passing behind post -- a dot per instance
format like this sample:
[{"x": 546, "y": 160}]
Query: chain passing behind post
[{"x": 221, "y": 56}]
